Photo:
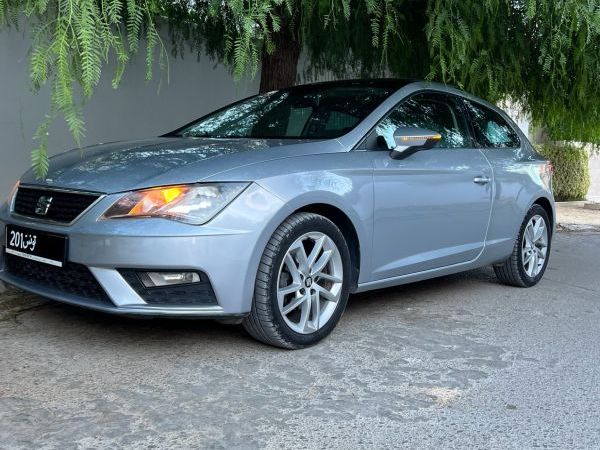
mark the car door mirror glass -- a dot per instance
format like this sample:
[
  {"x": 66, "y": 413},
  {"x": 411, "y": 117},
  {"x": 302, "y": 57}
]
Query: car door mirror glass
[{"x": 409, "y": 140}]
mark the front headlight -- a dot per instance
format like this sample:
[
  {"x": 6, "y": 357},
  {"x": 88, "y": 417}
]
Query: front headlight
[{"x": 195, "y": 204}]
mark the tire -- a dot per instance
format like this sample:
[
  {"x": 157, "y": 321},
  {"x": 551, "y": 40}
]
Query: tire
[
  {"x": 514, "y": 271},
  {"x": 268, "y": 321}
]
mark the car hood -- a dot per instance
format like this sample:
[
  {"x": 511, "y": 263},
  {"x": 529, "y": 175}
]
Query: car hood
[{"x": 123, "y": 166}]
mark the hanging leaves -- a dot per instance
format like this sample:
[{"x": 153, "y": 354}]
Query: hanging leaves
[
  {"x": 545, "y": 55},
  {"x": 542, "y": 54},
  {"x": 72, "y": 40}
]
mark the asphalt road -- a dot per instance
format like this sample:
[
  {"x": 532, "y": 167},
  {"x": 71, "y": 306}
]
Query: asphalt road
[{"x": 459, "y": 361}]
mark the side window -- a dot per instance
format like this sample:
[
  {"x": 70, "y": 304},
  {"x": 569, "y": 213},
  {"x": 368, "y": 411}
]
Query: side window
[
  {"x": 430, "y": 111},
  {"x": 490, "y": 129}
]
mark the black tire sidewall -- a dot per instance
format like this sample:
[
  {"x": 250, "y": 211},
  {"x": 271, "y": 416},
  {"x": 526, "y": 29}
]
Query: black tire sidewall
[
  {"x": 535, "y": 210},
  {"x": 311, "y": 224}
]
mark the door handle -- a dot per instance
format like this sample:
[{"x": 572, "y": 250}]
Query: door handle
[{"x": 481, "y": 180}]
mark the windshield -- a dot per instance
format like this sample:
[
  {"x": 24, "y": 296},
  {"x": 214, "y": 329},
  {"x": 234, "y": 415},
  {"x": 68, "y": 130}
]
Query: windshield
[{"x": 304, "y": 112}]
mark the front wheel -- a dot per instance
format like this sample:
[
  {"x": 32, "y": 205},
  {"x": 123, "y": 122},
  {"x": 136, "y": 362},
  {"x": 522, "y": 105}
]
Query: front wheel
[
  {"x": 302, "y": 283},
  {"x": 526, "y": 265}
]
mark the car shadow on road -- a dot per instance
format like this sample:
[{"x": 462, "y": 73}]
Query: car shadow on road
[
  {"x": 418, "y": 292},
  {"x": 57, "y": 319}
]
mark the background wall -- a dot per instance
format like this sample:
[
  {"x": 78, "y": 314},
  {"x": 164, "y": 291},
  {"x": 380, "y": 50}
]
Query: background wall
[
  {"x": 136, "y": 110},
  {"x": 594, "y": 192}
]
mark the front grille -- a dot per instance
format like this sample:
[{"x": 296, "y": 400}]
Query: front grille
[
  {"x": 196, "y": 294},
  {"x": 74, "y": 279},
  {"x": 63, "y": 207}
]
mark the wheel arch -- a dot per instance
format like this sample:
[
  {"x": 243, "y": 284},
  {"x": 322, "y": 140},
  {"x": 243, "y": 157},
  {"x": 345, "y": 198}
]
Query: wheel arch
[
  {"x": 547, "y": 205},
  {"x": 346, "y": 226}
]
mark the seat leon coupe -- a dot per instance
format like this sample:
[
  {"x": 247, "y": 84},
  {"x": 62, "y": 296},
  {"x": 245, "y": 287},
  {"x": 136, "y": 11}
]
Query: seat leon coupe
[{"x": 272, "y": 210}]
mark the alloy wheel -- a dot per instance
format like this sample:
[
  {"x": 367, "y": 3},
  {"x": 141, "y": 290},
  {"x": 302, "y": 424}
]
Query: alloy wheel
[
  {"x": 534, "y": 247},
  {"x": 310, "y": 282}
]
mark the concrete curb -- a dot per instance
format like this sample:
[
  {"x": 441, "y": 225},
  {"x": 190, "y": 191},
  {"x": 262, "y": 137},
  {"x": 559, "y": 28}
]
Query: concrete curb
[
  {"x": 577, "y": 227},
  {"x": 585, "y": 204},
  {"x": 572, "y": 203},
  {"x": 594, "y": 206}
]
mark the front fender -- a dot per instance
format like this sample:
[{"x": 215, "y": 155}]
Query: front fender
[{"x": 343, "y": 181}]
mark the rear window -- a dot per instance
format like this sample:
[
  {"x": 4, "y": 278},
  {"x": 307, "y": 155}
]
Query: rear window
[{"x": 490, "y": 129}]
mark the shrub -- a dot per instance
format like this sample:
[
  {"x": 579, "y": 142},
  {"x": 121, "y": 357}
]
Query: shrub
[{"x": 571, "y": 170}]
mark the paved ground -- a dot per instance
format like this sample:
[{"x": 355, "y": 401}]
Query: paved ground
[{"x": 459, "y": 361}]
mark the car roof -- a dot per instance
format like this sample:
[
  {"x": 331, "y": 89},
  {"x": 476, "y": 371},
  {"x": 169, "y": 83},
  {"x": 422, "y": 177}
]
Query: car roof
[
  {"x": 393, "y": 84},
  {"x": 390, "y": 83}
]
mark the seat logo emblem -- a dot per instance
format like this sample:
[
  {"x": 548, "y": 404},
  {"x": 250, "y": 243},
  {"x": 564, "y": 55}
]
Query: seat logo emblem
[{"x": 43, "y": 205}]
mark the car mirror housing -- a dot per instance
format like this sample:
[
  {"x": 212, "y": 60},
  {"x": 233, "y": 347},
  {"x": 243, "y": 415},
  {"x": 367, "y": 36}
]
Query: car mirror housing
[{"x": 409, "y": 140}]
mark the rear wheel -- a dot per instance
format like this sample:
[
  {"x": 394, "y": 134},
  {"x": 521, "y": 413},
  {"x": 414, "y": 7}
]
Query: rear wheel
[
  {"x": 302, "y": 283},
  {"x": 529, "y": 259}
]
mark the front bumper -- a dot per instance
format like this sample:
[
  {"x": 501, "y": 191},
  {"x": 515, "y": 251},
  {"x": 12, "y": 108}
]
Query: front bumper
[{"x": 227, "y": 250}]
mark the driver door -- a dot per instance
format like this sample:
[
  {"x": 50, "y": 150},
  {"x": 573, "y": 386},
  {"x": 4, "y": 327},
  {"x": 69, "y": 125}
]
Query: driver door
[{"x": 432, "y": 208}]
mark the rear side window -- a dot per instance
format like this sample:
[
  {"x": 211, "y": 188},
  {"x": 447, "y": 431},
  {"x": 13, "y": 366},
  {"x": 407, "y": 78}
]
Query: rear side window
[
  {"x": 490, "y": 129},
  {"x": 430, "y": 111}
]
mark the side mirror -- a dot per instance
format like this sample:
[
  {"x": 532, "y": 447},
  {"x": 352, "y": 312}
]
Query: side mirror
[{"x": 410, "y": 140}]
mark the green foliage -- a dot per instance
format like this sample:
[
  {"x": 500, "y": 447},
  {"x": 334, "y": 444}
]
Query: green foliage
[
  {"x": 542, "y": 54},
  {"x": 71, "y": 42},
  {"x": 571, "y": 170}
]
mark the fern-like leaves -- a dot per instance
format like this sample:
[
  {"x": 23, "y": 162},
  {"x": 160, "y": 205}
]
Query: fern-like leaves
[
  {"x": 72, "y": 42},
  {"x": 541, "y": 54}
]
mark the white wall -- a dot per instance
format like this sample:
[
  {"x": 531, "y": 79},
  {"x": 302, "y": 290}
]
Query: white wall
[
  {"x": 515, "y": 112},
  {"x": 137, "y": 109},
  {"x": 594, "y": 192}
]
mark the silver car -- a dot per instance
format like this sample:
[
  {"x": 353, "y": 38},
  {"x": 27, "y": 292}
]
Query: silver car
[{"x": 272, "y": 210}]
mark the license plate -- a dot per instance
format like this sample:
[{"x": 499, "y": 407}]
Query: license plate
[{"x": 36, "y": 245}]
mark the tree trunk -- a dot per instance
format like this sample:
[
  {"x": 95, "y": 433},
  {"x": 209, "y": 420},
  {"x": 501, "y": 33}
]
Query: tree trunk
[{"x": 279, "y": 69}]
